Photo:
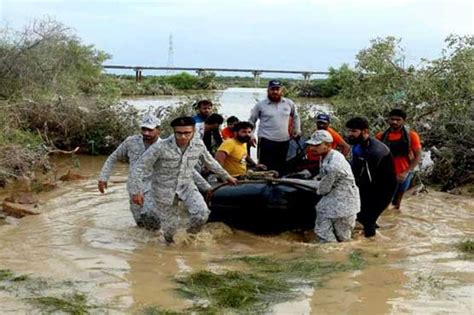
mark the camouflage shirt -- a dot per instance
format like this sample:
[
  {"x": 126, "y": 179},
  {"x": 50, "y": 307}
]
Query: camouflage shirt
[
  {"x": 338, "y": 188},
  {"x": 130, "y": 150},
  {"x": 172, "y": 169}
]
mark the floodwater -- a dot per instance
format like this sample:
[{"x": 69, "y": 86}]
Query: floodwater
[{"x": 90, "y": 239}]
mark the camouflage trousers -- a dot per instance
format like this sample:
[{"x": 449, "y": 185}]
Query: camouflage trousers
[
  {"x": 145, "y": 215},
  {"x": 169, "y": 214},
  {"x": 334, "y": 229}
]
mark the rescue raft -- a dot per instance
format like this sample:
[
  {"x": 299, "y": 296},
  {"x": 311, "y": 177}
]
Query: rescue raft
[{"x": 265, "y": 206}]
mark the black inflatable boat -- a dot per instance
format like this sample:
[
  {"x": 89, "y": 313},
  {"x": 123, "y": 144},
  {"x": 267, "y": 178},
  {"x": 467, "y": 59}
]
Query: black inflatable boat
[{"x": 265, "y": 206}]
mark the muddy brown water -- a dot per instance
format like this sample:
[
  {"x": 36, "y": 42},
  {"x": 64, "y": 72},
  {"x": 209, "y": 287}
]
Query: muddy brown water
[{"x": 91, "y": 239}]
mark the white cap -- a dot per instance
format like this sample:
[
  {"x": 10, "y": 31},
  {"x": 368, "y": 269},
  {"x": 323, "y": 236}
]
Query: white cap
[
  {"x": 319, "y": 137},
  {"x": 150, "y": 122}
]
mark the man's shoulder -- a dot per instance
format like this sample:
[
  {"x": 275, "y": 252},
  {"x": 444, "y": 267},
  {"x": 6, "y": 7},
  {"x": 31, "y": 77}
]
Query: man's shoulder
[
  {"x": 413, "y": 133},
  {"x": 287, "y": 100},
  {"x": 227, "y": 144},
  {"x": 198, "y": 119},
  {"x": 415, "y": 140},
  {"x": 132, "y": 140},
  {"x": 337, "y": 157},
  {"x": 334, "y": 133}
]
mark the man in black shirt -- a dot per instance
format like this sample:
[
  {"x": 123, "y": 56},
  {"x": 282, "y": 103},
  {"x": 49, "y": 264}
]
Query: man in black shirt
[{"x": 374, "y": 172}]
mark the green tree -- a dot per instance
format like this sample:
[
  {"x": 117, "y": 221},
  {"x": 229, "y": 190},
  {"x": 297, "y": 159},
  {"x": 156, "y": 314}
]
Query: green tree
[{"x": 437, "y": 95}]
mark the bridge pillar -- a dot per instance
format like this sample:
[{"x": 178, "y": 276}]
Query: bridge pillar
[
  {"x": 306, "y": 76},
  {"x": 138, "y": 75},
  {"x": 256, "y": 77},
  {"x": 200, "y": 72}
]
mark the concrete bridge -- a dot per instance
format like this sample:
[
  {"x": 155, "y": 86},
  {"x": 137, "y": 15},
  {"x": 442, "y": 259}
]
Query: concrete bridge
[{"x": 200, "y": 71}]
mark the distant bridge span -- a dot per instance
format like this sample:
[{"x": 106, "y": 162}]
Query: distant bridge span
[{"x": 200, "y": 71}]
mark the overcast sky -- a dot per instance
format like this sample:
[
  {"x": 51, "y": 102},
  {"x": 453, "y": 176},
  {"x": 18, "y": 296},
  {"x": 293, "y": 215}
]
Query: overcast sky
[{"x": 271, "y": 34}]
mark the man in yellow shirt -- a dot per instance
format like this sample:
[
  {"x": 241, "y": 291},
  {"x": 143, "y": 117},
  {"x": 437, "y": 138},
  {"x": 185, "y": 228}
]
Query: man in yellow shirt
[{"x": 232, "y": 153}]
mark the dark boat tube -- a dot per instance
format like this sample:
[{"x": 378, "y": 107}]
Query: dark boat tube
[{"x": 264, "y": 207}]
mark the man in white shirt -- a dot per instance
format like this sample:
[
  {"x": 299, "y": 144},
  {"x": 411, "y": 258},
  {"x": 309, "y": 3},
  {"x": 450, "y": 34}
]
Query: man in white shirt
[{"x": 279, "y": 122}]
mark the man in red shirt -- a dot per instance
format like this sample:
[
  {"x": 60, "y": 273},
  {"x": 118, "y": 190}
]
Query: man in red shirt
[
  {"x": 228, "y": 132},
  {"x": 322, "y": 123},
  {"x": 405, "y": 146}
]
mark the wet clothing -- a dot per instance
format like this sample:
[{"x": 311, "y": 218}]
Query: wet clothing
[
  {"x": 334, "y": 229},
  {"x": 145, "y": 215},
  {"x": 340, "y": 197},
  {"x": 275, "y": 118},
  {"x": 374, "y": 173},
  {"x": 172, "y": 170},
  {"x": 235, "y": 163},
  {"x": 273, "y": 154},
  {"x": 131, "y": 149},
  {"x": 403, "y": 186}
]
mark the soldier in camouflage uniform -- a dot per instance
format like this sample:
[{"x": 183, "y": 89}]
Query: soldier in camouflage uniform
[
  {"x": 337, "y": 209},
  {"x": 130, "y": 150},
  {"x": 171, "y": 165}
]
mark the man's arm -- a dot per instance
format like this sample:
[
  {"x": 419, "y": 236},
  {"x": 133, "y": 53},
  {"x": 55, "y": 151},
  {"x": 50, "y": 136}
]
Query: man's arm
[
  {"x": 345, "y": 148},
  {"x": 416, "y": 150},
  {"x": 119, "y": 153},
  {"x": 327, "y": 183},
  {"x": 143, "y": 168},
  {"x": 296, "y": 121},
  {"x": 254, "y": 116},
  {"x": 220, "y": 157},
  {"x": 215, "y": 167},
  {"x": 200, "y": 182}
]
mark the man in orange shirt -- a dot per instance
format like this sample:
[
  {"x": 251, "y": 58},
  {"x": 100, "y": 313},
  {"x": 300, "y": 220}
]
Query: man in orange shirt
[
  {"x": 322, "y": 123},
  {"x": 228, "y": 132},
  {"x": 405, "y": 147}
]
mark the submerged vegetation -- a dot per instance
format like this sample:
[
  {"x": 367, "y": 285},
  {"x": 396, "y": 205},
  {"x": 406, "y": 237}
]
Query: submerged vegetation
[
  {"x": 466, "y": 247},
  {"x": 43, "y": 294},
  {"x": 264, "y": 281}
]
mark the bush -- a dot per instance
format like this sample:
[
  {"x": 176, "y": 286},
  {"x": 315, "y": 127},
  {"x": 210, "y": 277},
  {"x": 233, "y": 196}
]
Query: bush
[
  {"x": 437, "y": 97},
  {"x": 53, "y": 95}
]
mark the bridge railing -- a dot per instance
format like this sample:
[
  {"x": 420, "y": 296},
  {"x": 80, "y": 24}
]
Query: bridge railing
[{"x": 200, "y": 71}]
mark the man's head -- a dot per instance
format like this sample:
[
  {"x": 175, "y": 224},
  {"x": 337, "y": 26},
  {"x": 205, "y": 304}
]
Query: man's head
[
  {"x": 322, "y": 121},
  {"x": 150, "y": 128},
  {"x": 231, "y": 121},
  {"x": 396, "y": 118},
  {"x": 275, "y": 91},
  {"x": 213, "y": 122},
  {"x": 183, "y": 128},
  {"x": 320, "y": 142},
  {"x": 357, "y": 130},
  {"x": 243, "y": 131},
  {"x": 204, "y": 108}
]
